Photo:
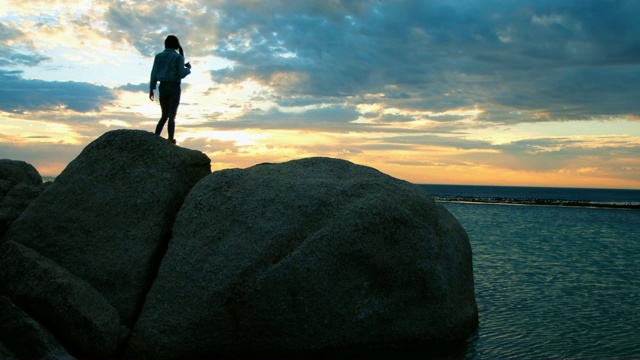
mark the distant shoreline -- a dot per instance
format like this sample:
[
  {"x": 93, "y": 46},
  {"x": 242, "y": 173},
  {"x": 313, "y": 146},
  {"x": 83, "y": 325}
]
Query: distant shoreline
[
  {"x": 536, "y": 202},
  {"x": 537, "y": 196}
]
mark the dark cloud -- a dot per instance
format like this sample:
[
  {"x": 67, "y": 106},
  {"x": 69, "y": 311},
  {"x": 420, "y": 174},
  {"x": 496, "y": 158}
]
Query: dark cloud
[
  {"x": 142, "y": 87},
  {"x": 18, "y": 94},
  {"x": 330, "y": 119},
  {"x": 10, "y": 57},
  {"x": 557, "y": 57}
]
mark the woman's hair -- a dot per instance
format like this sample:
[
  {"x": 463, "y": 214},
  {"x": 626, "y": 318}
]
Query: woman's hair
[{"x": 171, "y": 42}]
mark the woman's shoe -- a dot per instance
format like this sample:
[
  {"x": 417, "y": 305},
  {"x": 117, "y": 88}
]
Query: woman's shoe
[{"x": 173, "y": 141}]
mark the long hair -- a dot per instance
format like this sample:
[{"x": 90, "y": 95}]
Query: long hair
[{"x": 172, "y": 42}]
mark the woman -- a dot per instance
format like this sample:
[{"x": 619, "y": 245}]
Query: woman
[{"x": 169, "y": 68}]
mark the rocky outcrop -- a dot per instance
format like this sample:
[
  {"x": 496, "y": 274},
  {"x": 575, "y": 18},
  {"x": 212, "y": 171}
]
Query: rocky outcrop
[
  {"x": 20, "y": 184},
  {"x": 100, "y": 231},
  {"x": 307, "y": 257},
  {"x": 137, "y": 250}
]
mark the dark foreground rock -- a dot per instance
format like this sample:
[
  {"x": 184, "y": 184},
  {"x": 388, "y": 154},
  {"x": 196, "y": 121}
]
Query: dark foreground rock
[
  {"x": 100, "y": 230},
  {"x": 70, "y": 307},
  {"x": 20, "y": 184},
  {"x": 307, "y": 257},
  {"x": 20, "y": 334}
]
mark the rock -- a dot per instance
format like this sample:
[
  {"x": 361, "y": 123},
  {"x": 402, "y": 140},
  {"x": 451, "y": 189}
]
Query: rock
[
  {"x": 107, "y": 218},
  {"x": 20, "y": 183},
  {"x": 5, "y": 186},
  {"x": 16, "y": 172},
  {"x": 307, "y": 257},
  {"x": 15, "y": 202},
  {"x": 20, "y": 334},
  {"x": 5, "y": 353},
  {"x": 70, "y": 308}
]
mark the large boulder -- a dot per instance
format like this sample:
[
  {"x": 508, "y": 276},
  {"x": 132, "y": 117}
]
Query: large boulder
[
  {"x": 107, "y": 218},
  {"x": 307, "y": 257},
  {"x": 20, "y": 184}
]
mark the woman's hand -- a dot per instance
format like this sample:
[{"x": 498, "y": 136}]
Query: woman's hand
[
  {"x": 151, "y": 94},
  {"x": 187, "y": 65}
]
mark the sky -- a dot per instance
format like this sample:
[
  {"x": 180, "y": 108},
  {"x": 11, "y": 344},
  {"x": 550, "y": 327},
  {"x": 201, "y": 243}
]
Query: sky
[{"x": 478, "y": 92}]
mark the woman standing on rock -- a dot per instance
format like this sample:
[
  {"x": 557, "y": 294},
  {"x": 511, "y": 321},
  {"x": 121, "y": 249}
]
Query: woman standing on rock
[{"x": 169, "y": 68}]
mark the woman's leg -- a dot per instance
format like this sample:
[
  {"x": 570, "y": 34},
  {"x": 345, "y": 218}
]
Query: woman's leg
[
  {"x": 172, "y": 109},
  {"x": 169, "y": 101},
  {"x": 164, "y": 105},
  {"x": 160, "y": 125}
]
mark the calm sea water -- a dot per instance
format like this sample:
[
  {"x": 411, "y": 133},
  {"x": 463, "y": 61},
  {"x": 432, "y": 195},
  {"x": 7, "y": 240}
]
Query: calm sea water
[{"x": 552, "y": 281}]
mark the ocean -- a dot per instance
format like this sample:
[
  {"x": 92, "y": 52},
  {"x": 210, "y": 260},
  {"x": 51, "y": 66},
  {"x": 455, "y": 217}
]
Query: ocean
[{"x": 556, "y": 270}]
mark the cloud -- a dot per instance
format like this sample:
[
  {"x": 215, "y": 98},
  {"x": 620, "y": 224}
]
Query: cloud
[
  {"x": 20, "y": 51},
  {"x": 445, "y": 141},
  {"x": 145, "y": 25},
  {"x": 521, "y": 61},
  {"x": 613, "y": 155},
  {"x": 18, "y": 94},
  {"x": 541, "y": 60},
  {"x": 10, "y": 57},
  {"x": 553, "y": 58},
  {"x": 142, "y": 87},
  {"x": 330, "y": 119}
]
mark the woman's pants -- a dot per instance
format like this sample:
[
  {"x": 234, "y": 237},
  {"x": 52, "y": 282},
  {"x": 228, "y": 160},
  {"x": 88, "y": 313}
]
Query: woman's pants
[{"x": 169, "y": 101}]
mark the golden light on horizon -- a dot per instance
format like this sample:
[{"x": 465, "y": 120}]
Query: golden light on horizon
[{"x": 35, "y": 131}]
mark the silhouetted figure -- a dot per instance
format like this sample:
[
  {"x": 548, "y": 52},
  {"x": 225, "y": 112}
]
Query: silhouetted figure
[{"x": 169, "y": 68}]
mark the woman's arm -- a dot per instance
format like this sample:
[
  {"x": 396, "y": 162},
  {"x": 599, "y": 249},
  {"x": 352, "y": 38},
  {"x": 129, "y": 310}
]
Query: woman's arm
[
  {"x": 153, "y": 81},
  {"x": 183, "y": 69}
]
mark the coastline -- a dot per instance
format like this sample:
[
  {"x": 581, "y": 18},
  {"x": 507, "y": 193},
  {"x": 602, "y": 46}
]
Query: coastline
[{"x": 536, "y": 196}]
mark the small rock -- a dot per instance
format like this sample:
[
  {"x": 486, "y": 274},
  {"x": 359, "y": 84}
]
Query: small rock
[{"x": 17, "y": 172}]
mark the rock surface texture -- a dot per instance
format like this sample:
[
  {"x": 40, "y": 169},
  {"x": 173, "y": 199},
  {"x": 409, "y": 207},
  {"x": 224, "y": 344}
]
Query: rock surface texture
[
  {"x": 91, "y": 243},
  {"x": 20, "y": 184},
  {"x": 137, "y": 250},
  {"x": 313, "y": 256},
  {"x": 20, "y": 334}
]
